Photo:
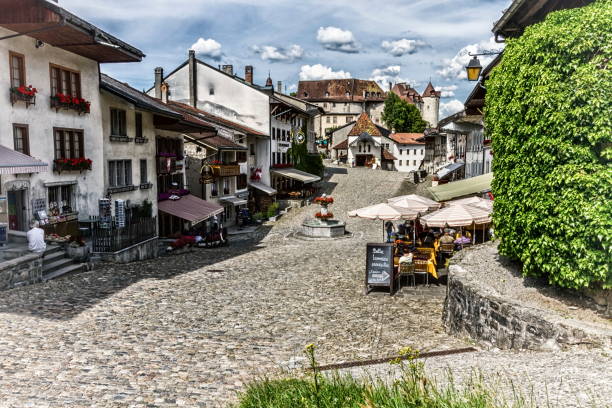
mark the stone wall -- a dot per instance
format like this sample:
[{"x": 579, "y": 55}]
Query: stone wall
[
  {"x": 144, "y": 250},
  {"x": 472, "y": 307},
  {"x": 20, "y": 271}
]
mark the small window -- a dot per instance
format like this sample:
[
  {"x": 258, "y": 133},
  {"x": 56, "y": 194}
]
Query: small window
[
  {"x": 21, "y": 139},
  {"x": 17, "y": 67},
  {"x": 241, "y": 157},
  {"x": 305, "y": 94},
  {"x": 369, "y": 148},
  {"x": 335, "y": 119},
  {"x": 333, "y": 104},
  {"x": 68, "y": 143},
  {"x": 284, "y": 158},
  {"x": 348, "y": 119},
  {"x": 143, "y": 171},
  {"x": 327, "y": 94},
  {"x": 211, "y": 91},
  {"x": 328, "y": 119},
  {"x": 273, "y": 133},
  {"x": 325, "y": 105},
  {"x": 252, "y": 149},
  {"x": 400, "y": 162},
  {"x": 226, "y": 185},
  {"x": 415, "y": 152},
  {"x": 241, "y": 181},
  {"x": 119, "y": 173},
  {"x": 65, "y": 81},
  {"x": 401, "y": 151},
  {"x": 359, "y": 148},
  {"x": 347, "y": 94},
  {"x": 138, "y": 124},
  {"x": 284, "y": 136},
  {"x": 414, "y": 162},
  {"x": 118, "y": 119},
  {"x": 61, "y": 197},
  {"x": 214, "y": 189}
]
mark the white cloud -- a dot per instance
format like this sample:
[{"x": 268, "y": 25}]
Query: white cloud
[
  {"x": 318, "y": 71},
  {"x": 337, "y": 39},
  {"x": 403, "y": 46},
  {"x": 447, "y": 91},
  {"x": 279, "y": 54},
  {"x": 448, "y": 108},
  {"x": 207, "y": 48},
  {"x": 391, "y": 73},
  {"x": 454, "y": 68}
]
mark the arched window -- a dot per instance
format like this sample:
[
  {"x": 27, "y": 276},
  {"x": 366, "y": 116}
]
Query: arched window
[
  {"x": 347, "y": 94},
  {"x": 327, "y": 94}
]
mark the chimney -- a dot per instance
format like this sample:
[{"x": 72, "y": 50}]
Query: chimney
[
  {"x": 390, "y": 86},
  {"x": 248, "y": 74},
  {"x": 228, "y": 69},
  {"x": 159, "y": 76},
  {"x": 164, "y": 92},
  {"x": 279, "y": 86},
  {"x": 193, "y": 79}
]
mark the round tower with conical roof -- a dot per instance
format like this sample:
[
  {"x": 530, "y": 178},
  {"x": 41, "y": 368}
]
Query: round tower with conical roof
[{"x": 431, "y": 105}]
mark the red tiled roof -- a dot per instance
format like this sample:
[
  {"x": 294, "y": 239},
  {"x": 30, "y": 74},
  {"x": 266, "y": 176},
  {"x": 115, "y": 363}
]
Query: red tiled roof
[
  {"x": 406, "y": 138},
  {"x": 430, "y": 91},
  {"x": 218, "y": 142},
  {"x": 216, "y": 119},
  {"x": 364, "y": 125},
  {"x": 386, "y": 155},
  {"x": 343, "y": 90},
  {"x": 343, "y": 145},
  {"x": 406, "y": 93}
]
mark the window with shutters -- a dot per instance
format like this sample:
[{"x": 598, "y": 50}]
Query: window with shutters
[
  {"x": 118, "y": 122},
  {"x": 21, "y": 139},
  {"x": 144, "y": 178},
  {"x": 119, "y": 173},
  {"x": 138, "y": 125},
  {"x": 17, "y": 67},
  {"x": 65, "y": 81},
  {"x": 68, "y": 143}
]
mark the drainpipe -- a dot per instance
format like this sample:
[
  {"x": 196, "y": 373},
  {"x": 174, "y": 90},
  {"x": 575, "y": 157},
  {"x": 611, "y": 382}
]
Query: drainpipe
[{"x": 193, "y": 79}]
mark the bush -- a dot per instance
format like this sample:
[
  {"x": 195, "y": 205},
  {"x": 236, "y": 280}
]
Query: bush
[
  {"x": 549, "y": 113},
  {"x": 273, "y": 210}
]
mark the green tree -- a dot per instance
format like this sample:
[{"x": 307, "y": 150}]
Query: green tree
[
  {"x": 549, "y": 112},
  {"x": 302, "y": 160},
  {"x": 402, "y": 116}
]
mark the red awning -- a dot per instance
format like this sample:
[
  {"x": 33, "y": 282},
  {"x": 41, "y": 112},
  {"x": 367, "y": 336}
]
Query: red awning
[{"x": 190, "y": 208}]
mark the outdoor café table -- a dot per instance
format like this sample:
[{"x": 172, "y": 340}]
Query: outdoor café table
[{"x": 431, "y": 262}]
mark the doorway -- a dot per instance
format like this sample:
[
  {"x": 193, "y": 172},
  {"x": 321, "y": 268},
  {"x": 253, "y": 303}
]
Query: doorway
[
  {"x": 362, "y": 160},
  {"x": 17, "y": 210}
]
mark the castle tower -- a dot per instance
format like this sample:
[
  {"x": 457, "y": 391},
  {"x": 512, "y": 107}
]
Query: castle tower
[{"x": 431, "y": 105}]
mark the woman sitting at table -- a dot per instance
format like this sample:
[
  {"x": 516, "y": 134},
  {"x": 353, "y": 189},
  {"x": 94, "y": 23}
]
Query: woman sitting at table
[{"x": 461, "y": 240}]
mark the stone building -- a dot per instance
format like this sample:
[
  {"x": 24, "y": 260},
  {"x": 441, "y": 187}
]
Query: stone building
[
  {"x": 428, "y": 103},
  {"x": 342, "y": 101},
  {"x": 408, "y": 150}
]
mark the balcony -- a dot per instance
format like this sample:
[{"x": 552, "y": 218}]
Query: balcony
[{"x": 225, "y": 170}]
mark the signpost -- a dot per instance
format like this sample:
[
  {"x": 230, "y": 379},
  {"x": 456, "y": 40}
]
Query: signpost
[{"x": 379, "y": 267}]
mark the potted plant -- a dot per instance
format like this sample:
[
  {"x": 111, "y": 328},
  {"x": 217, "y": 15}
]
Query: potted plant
[
  {"x": 24, "y": 93},
  {"x": 273, "y": 212},
  {"x": 78, "y": 250}
]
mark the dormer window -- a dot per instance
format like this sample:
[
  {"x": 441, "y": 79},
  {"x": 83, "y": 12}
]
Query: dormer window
[
  {"x": 327, "y": 94},
  {"x": 305, "y": 94},
  {"x": 367, "y": 94},
  {"x": 348, "y": 94}
]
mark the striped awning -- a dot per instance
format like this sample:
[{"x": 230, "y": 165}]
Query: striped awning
[{"x": 12, "y": 162}]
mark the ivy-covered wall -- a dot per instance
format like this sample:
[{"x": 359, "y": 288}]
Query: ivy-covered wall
[{"x": 549, "y": 112}]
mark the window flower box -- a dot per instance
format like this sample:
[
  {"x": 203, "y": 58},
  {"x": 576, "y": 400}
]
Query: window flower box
[
  {"x": 25, "y": 94},
  {"x": 146, "y": 186},
  {"x": 140, "y": 140},
  {"x": 79, "y": 164},
  {"x": 225, "y": 170},
  {"x": 61, "y": 101}
]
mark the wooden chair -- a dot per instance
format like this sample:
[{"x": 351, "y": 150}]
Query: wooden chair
[
  {"x": 420, "y": 268},
  {"x": 447, "y": 249},
  {"x": 407, "y": 270}
]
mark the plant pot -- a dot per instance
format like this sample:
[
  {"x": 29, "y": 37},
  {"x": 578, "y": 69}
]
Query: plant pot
[{"x": 79, "y": 254}]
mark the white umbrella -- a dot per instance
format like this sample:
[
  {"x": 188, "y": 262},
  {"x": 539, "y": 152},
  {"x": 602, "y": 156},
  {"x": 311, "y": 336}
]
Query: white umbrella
[
  {"x": 384, "y": 212},
  {"x": 457, "y": 216},
  {"x": 415, "y": 200},
  {"x": 481, "y": 203}
]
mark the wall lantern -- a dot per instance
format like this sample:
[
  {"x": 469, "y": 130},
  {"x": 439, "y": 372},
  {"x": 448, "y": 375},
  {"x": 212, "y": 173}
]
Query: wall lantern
[{"x": 473, "y": 69}]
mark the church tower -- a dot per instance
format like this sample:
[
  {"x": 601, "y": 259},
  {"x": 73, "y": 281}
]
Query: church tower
[{"x": 431, "y": 105}]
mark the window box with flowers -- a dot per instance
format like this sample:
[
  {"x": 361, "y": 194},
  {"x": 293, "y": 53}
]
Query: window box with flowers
[
  {"x": 78, "y": 164},
  {"x": 25, "y": 94},
  {"x": 61, "y": 101}
]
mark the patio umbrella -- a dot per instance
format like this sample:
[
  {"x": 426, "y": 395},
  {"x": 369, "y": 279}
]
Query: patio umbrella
[
  {"x": 478, "y": 202},
  {"x": 457, "y": 215},
  {"x": 384, "y": 212},
  {"x": 415, "y": 199}
]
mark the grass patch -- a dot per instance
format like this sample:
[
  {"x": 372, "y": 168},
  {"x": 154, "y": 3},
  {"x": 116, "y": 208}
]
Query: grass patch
[{"x": 412, "y": 389}]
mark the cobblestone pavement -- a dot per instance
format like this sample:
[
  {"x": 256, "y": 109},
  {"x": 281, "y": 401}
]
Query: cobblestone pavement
[{"x": 189, "y": 330}]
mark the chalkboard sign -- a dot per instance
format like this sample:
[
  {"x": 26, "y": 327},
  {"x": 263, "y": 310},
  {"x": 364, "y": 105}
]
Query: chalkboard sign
[{"x": 379, "y": 267}]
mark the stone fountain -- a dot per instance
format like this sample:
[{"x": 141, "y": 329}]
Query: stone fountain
[{"x": 323, "y": 225}]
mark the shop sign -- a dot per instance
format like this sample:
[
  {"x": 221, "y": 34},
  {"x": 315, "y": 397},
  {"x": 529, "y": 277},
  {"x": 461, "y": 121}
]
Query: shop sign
[{"x": 206, "y": 175}]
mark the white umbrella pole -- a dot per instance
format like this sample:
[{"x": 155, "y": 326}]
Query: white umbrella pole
[{"x": 474, "y": 238}]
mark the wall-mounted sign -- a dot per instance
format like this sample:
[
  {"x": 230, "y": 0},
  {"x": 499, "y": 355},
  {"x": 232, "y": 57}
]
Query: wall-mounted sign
[
  {"x": 206, "y": 175},
  {"x": 284, "y": 144},
  {"x": 299, "y": 138},
  {"x": 379, "y": 267}
]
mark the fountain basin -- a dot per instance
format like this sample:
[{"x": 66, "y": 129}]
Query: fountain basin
[{"x": 323, "y": 228}]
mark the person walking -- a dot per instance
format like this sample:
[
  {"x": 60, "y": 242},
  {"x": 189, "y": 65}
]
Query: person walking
[
  {"x": 36, "y": 238},
  {"x": 390, "y": 230}
]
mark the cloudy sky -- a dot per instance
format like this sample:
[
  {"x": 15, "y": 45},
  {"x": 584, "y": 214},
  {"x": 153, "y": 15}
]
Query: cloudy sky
[{"x": 395, "y": 40}]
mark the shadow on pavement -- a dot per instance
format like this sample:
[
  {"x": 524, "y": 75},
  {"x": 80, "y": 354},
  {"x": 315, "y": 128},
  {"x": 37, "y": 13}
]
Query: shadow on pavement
[{"x": 65, "y": 298}]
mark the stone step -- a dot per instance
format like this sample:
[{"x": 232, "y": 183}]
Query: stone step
[
  {"x": 52, "y": 249},
  {"x": 53, "y": 256},
  {"x": 56, "y": 264},
  {"x": 71, "y": 268}
]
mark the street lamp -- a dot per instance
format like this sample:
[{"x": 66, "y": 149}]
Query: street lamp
[{"x": 473, "y": 69}]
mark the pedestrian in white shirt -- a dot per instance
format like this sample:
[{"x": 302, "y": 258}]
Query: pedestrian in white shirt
[{"x": 36, "y": 238}]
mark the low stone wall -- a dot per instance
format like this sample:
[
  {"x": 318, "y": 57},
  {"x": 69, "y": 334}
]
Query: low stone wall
[
  {"x": 475, "y": 308},
  {"x": 20, "y": 271},
  {"x": 144, "y": 250}
]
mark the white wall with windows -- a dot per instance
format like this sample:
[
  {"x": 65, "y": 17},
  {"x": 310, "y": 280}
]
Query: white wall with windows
[
  {"x": 47, "y": 133},
  {"x": 408, "y": 156}
]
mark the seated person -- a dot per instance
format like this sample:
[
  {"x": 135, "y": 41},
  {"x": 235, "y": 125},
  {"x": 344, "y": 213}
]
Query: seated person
[
  {"x": 406, "y": 258},
  {"x": 446, "y": 238},
  {"x": 461, "y": 240},
  {"x": 428, "y": 238}
]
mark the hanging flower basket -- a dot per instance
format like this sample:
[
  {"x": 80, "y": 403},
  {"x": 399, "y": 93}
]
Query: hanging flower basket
[
  {"x": 25, "y": 94},
  {"x": 79, "y": 164},
  {"x": 61, "y": 101}
]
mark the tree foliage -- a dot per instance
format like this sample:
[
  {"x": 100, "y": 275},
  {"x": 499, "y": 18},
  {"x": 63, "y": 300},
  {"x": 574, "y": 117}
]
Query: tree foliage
[
  {"x": 549, "y": 113},
  {"x": 402, "y": 116}
]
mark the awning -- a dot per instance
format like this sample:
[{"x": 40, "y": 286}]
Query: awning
[
  {"x": 296, "y": 175},
  {"x": 12, "y": 162},
  {"x": 462, "y": 188},
  {"x": 190, "y": 208},
  {"x": 263, "y": 188},
  {"x": 448, "y": 169},
  {"x": 233, "y": 200}
]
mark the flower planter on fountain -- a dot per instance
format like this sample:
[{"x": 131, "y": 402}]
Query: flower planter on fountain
[{"x": 323, "y": 225}]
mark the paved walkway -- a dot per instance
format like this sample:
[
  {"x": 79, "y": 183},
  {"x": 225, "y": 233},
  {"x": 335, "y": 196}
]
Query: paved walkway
[{"x": 191, "y": 329}]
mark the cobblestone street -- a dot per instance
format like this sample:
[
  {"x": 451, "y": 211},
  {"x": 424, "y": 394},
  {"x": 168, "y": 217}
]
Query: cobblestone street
[{"x": 191, "y": 329}]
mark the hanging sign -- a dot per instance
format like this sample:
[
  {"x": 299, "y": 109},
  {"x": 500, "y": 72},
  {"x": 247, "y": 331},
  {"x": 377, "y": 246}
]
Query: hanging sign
[
  {"x": 298, "y": 137},
  {"x": 206, "y": 175},
  {"x": 379, "y": 267}
]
